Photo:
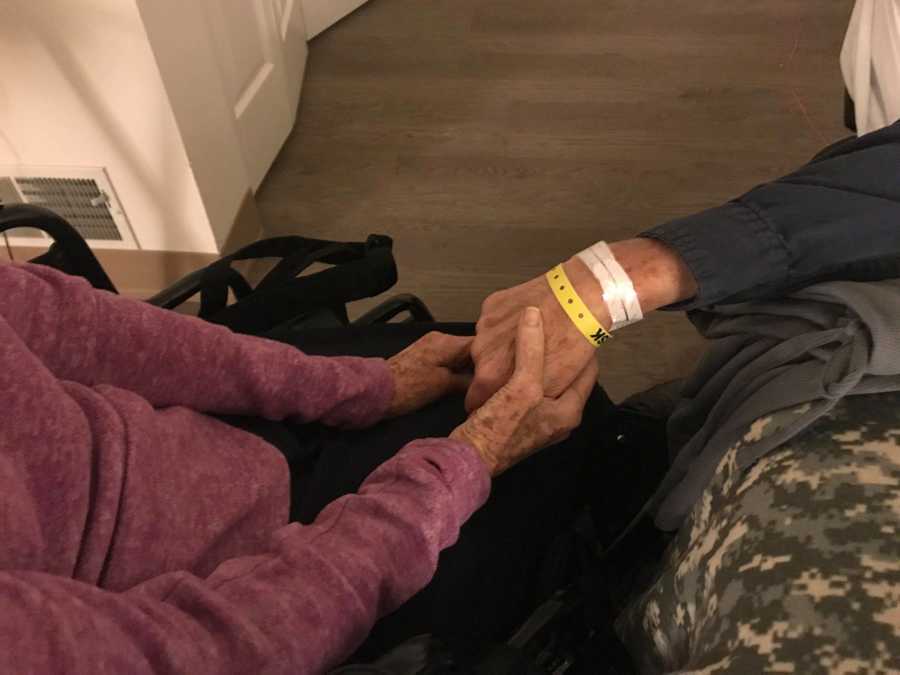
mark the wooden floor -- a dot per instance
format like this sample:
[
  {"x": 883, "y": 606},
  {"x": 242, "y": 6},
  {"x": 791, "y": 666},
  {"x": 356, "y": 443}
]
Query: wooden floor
[{"x": 493, "y": 139}]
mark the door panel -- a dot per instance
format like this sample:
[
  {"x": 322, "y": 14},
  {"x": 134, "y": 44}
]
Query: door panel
[
  {"x": 292, "y": 30},
  {"x": 247, "y": 56},
  {"x": 258, "y": 47}
]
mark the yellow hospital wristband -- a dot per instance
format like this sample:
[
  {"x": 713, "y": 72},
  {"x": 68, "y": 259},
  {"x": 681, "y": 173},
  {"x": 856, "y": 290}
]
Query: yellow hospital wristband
[{"x": 574, "y": 306}]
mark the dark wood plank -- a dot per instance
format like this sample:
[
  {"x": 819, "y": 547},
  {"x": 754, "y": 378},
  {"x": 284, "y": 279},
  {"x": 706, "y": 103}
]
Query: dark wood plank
[{"x": 493, "y": 139}]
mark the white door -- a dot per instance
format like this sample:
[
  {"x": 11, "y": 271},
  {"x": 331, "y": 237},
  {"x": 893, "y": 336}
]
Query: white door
[
  {"x": 261, "y": 51},
  {"x": 292, "y": 29}
]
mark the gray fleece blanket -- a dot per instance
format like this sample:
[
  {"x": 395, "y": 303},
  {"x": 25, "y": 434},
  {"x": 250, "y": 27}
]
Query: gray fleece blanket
[{"x": 818, "y": 345}]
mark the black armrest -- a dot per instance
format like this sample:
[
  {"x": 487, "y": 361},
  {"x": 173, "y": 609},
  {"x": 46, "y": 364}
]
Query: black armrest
[
  {"x": 181, "y": 290},
  {"x": 69, "y": 252},
  {"x": 390, "y": 308},
  {"x": 193, "y": 283}
]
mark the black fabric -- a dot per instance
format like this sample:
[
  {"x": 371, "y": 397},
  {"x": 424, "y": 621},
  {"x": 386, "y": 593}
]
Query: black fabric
[
  {"x": 289, "y": 295},
  {"x": 421, "y": 655},
  {"x": 837, "y": 217},
  {"x": 358, "y": 271},
  {"x": 489, "y": 582}
]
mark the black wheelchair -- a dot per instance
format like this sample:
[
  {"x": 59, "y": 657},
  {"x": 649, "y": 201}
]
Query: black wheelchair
[
  {"x": 285, "y": 298},
  {"x": 307, "y": 290}
]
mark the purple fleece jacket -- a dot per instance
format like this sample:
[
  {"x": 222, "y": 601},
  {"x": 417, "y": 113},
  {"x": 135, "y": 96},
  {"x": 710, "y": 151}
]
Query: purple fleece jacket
[{"x": 140, "y": 535}]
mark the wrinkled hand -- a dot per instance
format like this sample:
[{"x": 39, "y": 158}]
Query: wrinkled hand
[
  {"x": 568, "y": 352},
  {"x": 427, "y": 370},
  {"x": 520, "y": 418},
  {"x": 660, "y": 277}
]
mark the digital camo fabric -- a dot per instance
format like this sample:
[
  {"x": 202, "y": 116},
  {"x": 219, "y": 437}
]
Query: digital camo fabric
[{"x": 790, "y": 566}]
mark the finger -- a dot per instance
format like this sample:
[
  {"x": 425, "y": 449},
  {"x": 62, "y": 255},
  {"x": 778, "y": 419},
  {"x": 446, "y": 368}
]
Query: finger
[
  {"x": 487, "y": 340},
  {"x": 458, "y": 382},
  {"x": 492, "y": 371},
  {"x": 530, "y": 348},
  {"x": 484, "y": 387},
  {"x": 447, "y": 382},
  {"x": 441, "y": 349},
  {"x": 487, "y": 317},
  {"x": 457, "y": 351},
  {"x": 565, "y": 411}
]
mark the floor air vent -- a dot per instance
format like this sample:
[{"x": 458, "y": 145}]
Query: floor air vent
[
  {"x": 78, "y": 200},
  {"x": 84, "y": 197}
]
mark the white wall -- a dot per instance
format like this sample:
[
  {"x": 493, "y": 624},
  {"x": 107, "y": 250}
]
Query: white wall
[
  {"x": 79, "y": 86},
  {"x": 194, "y": 83}
]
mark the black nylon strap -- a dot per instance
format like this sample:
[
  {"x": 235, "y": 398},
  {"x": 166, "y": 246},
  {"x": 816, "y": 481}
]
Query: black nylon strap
[
  {"x": 294, "y": 264},
  {"x": 265, "y": 308},
  {"x": 214, "y": 296},
  {"x": 360, "y": 270}
]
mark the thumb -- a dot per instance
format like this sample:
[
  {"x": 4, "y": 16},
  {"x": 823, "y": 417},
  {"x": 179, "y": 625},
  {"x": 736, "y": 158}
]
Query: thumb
[
  {"x": 530, "y": 347},
  {"x": 454, "y": 351}
]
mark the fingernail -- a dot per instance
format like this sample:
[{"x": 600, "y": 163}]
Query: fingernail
[{"x": 532, "y": 316}]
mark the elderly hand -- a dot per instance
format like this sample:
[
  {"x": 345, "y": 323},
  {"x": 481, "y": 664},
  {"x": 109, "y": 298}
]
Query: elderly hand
[
  {"x": 520, "y": 419},
  {"x": 660, "y": 278},
  {"x": 428, "y": 370},
  {"x": 568, "y": 353}
]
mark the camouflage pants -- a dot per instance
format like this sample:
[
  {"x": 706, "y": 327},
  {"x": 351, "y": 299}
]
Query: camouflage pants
[{"x": 791, "y": 566}]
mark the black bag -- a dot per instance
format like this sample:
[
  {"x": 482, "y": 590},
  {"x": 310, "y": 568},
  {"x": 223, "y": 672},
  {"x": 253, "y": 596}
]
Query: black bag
[{"x": 283, "y": 298}]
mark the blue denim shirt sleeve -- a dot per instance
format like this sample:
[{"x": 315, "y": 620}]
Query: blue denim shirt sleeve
[{"x": 837, "y": 217}]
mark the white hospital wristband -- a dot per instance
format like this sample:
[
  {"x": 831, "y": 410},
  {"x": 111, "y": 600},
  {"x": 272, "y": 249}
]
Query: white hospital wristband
[
  {"x": 618, "y": 291},
  {"x": 608, "y": 284}
]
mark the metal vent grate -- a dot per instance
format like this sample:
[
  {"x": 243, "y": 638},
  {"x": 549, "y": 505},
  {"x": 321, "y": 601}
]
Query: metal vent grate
[{"x": 78, "y": 200}]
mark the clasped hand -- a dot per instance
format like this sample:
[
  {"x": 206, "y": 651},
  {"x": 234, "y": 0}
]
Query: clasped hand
[{"x": 519, "y": 419}]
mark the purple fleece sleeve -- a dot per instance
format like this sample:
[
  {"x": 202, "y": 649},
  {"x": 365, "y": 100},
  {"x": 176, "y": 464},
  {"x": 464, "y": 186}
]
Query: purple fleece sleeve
[
  {"x": 301, "y": 606},
  {"x": 94, "y": 337}
]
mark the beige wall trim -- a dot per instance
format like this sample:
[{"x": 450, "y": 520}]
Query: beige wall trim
[
  {"x": 247, "y": 226},
  {"x": 137, "y": 274}
]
